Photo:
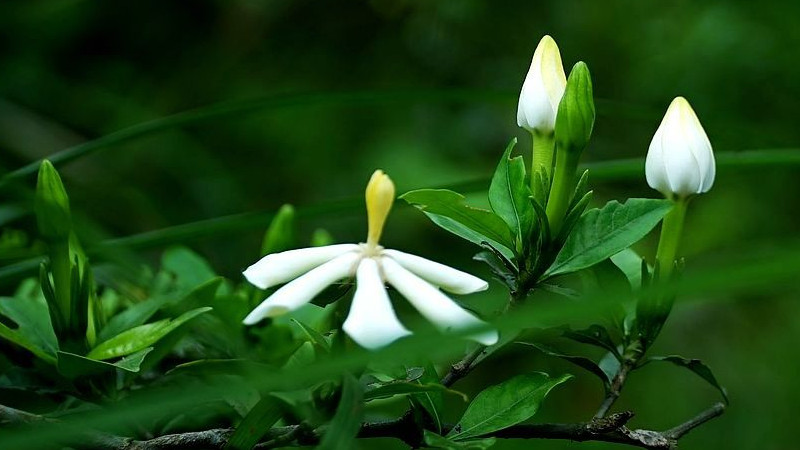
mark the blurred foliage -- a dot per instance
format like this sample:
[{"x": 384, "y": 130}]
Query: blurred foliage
[{"x": 426, "y": 91}]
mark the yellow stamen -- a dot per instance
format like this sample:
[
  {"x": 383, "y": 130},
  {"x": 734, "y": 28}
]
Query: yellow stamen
[{"x": 380, "y": 196}]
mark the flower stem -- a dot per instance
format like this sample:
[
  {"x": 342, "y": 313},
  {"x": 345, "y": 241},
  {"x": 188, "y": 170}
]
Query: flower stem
[
  {"x": 562, "y": 189},
  {"x": 543, "y": 149},
  {"x": 61, "y": 269},
  {"x": 671, "y": 230}
]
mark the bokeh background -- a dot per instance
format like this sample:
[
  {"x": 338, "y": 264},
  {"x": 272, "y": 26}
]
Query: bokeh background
[{"x": 427, "y": 91}]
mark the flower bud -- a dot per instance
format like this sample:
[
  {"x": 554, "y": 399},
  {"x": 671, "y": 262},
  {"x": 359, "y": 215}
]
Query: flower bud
[
  {"x": 680, "y": 161},
  {"x": 575, "y": 119},
  {"x": 52, "y": 204},
  {"x": 542, "y": 89},
  {"x": 379, "y": 197}
]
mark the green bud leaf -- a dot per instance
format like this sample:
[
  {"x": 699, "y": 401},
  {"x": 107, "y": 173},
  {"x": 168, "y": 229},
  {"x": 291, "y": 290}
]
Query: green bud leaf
[
  {"x": 575, "y": 119},
  {"x": 280, "y": 234},
  {"x": 52, "y": 204}
]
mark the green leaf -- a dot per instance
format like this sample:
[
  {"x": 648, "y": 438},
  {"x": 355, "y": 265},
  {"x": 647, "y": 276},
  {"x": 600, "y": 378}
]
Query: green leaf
[
  {"x": 580, "y": 361},
  {"x": 595, "y": 335},
  {"x": 73, "y": 366},
  {"x": 141, "y": 312},
  {"x": 630, "y": 263},
  {"x": 510, "y": 195},
  {"x": 280, "y": 234},
  {"x": 433, "y": 440},
  {"x": 432, "y": 402},
  {"x": 142, "y": 336},
  {"x": 506, "y": 404},
  {"x": 31, "y": 328},
  {"x": 319, "y": 342},
  {"x": 601, "y": 233},
  {"x": 696, "y": 366},
  {"x": 403, "y": 387},
  {"x": 256, "y": 423},
  {"x": 190, "y": 269},
  {"x": 342, "y": 431},
  {"x": 483, "y": 225}
]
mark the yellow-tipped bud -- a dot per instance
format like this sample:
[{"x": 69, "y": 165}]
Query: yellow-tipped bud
[{"x": 380, "y": 196}]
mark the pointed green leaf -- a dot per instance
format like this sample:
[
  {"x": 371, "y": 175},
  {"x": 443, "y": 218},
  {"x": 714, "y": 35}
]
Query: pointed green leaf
[
  {"x": 342, "y": 431},
  {"x": 31, "y": 329},
  {"x": 580, "y": 361},
  {"x": 73, "y": 366},
  {"x": 505, "y": 404},
  {"x": 433, "y": 440},
  {"x": 480, "y": 224},
  {"x": 696, "y": 366},
  {"x": 256, "y": 423},
  {"x": 317, "y": 340},
  {"x": 431, "y": 401},
  {"x": 510, "y": 195},
  {"x": 280, "y": 234},
  {"x": 141, "y": 312},
  {"x": 601, "y": 233},
  {"x": 595, "y": 335},
  {"x": 142, "y": 336}
]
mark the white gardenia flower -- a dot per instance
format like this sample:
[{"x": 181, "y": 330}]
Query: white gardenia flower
[
  {"x": 542, "y": 90},
  {"x": 680, "y": 161},
  {"x": 371, "y": 322}
]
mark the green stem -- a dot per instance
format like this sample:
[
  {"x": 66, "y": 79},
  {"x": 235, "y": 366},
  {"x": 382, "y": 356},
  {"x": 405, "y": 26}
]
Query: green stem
[
  {"x": 62, "y": 278},
  {"x": 562, "y": 189},
  {"x": 543, "y": 149},
  {"x": 671, "y": 230}
]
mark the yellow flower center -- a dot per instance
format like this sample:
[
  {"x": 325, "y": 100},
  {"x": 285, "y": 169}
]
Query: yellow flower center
[{"x": 380, "y": 197}]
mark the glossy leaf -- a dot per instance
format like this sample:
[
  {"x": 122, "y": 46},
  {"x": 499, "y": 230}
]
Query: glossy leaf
[
  {"x": 433, "y": 440},
  {"x": 483, "y": 225},
  {"x": 580, "y": 361},
  {"x": 73, "y": 366},
  {"x": 601, "y": 233},
  {"x": 510, "y": 195},
  {"x": 696, "y": 366},
  {"x": 403, "y": 387},
  {"x": 343, "y": 428},
  {"x": 595, "y": 335},
  {"x": 31, "y": 328},
  {"x": 141, "y": 312},
  {"x": 142, "y": 336},
  {"x": 505, "y": 404},
  {"x": 319, "y": 342},
  {"x": 256, "y": 423},
  {"x": 280, "y": 234},
  {"x": 432, "y": 402}
]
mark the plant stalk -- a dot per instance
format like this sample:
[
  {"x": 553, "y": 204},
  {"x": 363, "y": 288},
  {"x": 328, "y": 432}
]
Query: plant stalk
[
  {"x": 671, "y": 230},
  {"x": 562, "y": 189}
]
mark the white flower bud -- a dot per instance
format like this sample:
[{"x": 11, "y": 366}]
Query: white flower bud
[
  {"x": 680, "y": 161},
  {"x": 543, "y": 88}
]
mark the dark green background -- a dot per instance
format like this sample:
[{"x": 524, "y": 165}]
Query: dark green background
[{"x": 427, "y": 91}]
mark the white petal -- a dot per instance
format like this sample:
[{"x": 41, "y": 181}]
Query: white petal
[
  {"x": 281, "y": 267},
  {"x": 431, "y": 303},
  {"x": 446, "y": 277},
  {"x": 303, "y": 289},
  {"x": 680, "y": 159},
  {"x": 542, "y": 89},
  {"x": 371, "y": 322}
]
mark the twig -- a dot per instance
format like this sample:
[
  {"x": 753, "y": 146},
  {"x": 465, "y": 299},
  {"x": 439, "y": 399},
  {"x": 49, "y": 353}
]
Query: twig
[
  {"x": 616, "y": 387},
  {"x": 460, "y": 369},
  {"x": 610, "y": 429},
  {"x": 681, "y": 430}
]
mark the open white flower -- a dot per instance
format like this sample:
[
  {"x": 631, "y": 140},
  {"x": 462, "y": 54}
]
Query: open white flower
[
  {"x": 543, "y": 88},
  {"x": 680, "y": 161},
  {"x": 371, "y": 322}
]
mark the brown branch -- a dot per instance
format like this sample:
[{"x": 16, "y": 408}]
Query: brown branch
[
  {"x": 460, "y": 369},
  {"x": 609, "y": 429},
  {"x": 616, "y": 387}
]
